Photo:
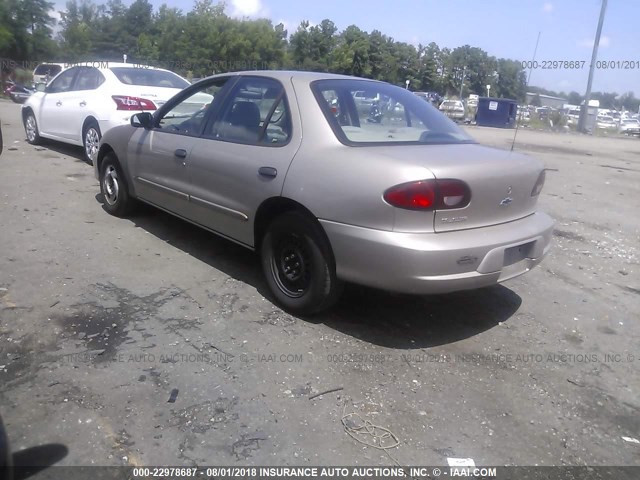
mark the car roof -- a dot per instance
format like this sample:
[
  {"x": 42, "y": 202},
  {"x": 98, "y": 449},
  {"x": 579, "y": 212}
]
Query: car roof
[
  {"x": 104, "y": 65},
  {"x": 285, "y": 75}
]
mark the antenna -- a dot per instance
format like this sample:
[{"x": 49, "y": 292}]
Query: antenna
[{"x": 535, "y": 50}]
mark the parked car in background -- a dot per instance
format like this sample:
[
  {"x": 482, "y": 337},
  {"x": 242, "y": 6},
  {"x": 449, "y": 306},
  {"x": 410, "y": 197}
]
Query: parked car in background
[
  {"x": 630, "y": 126},
  {"x": 285, "y": 164},
  {"x": 20, "y": 93},
  {"x": 8, "y": 86},
  {"x": 44, "y": 72},
  {"x": 82, "y": 102},
  {"x": 605, "y": 122},
  {"x": 431, "y": 97},
  {"x": 365, "y": 98},
  {"x": 454, "y": 109},
  {"x": 472, "y": 101},
  {"x": 523, "y": 113},
  {"x": 544, "y": 112}
]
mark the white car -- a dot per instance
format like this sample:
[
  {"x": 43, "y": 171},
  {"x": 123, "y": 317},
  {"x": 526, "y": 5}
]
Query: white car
[
  {"x": 46, "y": 71},
  {"x": 605, "y": 122},
  {"x": 81, "y": 103},
  {"x": 454, "y": 109},
  {"x": 630, "y": 126}
]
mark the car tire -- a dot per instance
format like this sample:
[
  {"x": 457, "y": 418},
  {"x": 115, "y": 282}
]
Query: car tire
[
  {"x": 298, "y": 264},
  {"x": 113, "y": 186},
  {"x": 91, "y": 141},
  {"x": 31, "y": 129}
]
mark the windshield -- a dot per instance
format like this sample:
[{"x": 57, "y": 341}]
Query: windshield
[
  {"x": 149, "y": 77},
  {"x": 365, "y": 112}
]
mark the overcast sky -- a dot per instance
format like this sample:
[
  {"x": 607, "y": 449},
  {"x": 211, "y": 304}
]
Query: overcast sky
[{"x": 503, "y": 28}]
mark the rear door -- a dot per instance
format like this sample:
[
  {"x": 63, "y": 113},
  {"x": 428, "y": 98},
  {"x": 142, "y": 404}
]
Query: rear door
[
  {"x": 81, "y": 100},
  {"x": 243, "y": 156}
]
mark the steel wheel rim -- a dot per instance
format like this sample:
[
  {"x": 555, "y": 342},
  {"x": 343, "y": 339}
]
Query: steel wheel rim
[
  {"x": 110, "y": 185},
  {"x": 31, "y": 128},
  {"x": 91, "y": 143},
  {"x": 291, "y": 265}
]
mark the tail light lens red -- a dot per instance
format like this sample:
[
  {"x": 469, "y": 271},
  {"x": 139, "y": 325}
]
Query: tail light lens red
[
  {"x": 427, "y": 195},
  {"x": 537, "y": 188},
  {"x": 125, "y": 102}
]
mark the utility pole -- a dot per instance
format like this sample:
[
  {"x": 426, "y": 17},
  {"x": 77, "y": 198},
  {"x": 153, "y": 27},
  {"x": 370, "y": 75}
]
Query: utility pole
[
  {"x": 464, "y": 72},
  {"x": 584, "y": 108}
]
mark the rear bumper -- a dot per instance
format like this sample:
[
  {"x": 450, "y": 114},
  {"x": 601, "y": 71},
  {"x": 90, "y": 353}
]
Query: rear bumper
[{"x": 423, "y": 263}]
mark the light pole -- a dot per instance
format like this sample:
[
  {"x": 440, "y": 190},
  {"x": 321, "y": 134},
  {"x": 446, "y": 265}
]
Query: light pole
[
  {"x": 488, "y": 89},
  {"x": 584, "y": 108},
  {"x": 407, "y": 81}
]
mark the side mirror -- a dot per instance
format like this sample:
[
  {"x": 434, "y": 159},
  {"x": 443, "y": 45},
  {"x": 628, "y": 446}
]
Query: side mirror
[
  {"x": 41, "y": 87},
  {"x": 142, "y": 119}
]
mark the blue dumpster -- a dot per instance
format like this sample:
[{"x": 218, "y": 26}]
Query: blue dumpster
[{"x": 496, "y": 112}]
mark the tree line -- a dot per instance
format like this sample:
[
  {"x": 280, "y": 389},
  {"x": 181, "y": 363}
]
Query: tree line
[{"x": 205, "y": 40}]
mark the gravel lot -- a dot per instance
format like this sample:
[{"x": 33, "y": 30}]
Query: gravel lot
[{"x": 146, "y": 341}]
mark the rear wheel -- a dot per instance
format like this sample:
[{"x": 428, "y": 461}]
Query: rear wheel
[
  {"x": 298, "y": 264},
  {"x": 91, "y": 140},
  {"x": 31, "y": 128},
  {"x": 113, "y": 187}
]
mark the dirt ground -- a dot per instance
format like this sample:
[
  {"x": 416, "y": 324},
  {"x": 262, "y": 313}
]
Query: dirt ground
[{"x": 146, "y": 341}]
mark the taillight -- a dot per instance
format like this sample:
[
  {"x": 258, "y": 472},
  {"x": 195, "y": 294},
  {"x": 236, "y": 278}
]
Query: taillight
[
  {"x": 125, "y": 102},
  {"x": 537, "y": 188},
  {"x": 412, "y": 196},
  {"x": 452, "y": 194},
  {"x": 429, "y": 195}
]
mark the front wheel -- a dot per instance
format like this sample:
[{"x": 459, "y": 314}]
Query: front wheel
[
  {"x": 298, "y": 264},
  {"x": 113, "y": 187}
]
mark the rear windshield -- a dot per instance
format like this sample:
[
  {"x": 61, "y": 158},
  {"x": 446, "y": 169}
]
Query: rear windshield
[
  {"x": 45, "y": 69},
  {"x": 363, "y": 112},
  {"x": 149, "y": 78}
]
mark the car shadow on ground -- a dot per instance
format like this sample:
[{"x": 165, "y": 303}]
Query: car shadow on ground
[
  {"x": 381, "y": 318},
  {"x": 73, "y": 151}
]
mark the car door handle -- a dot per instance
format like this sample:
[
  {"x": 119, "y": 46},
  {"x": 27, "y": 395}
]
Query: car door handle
[
  {"x": 83, "y": 103},
  {"x": 59, "y": 103},
  {"x": 268, "y": 172},
  {"x": 180, "y": 153}
]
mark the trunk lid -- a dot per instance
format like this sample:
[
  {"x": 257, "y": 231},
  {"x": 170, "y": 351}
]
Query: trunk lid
[
  {"x": 158, "y": 95},
  {"x": 500, "y": 181}
]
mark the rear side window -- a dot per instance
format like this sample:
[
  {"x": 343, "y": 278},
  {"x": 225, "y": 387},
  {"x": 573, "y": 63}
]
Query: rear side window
[
  {"x": 63, "y": 82},
  {"x": 89, "y": 79},
  {"x": 256, "y": 112},
  {"x": 148, "y": 77}
]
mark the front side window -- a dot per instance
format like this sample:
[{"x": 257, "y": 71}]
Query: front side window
[
  {"x": 255, "y": 113},
  {"x": 149, "y": 77},
  {"x": 49, "y": 70},
  {"x": 363, "y": 112},
  {"x": 63, "y": 82},
  {"x": 187, "y": 117}
]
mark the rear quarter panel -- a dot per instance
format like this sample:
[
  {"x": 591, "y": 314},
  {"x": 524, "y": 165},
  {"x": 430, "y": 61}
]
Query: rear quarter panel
[{"x": 341, "y": 183}]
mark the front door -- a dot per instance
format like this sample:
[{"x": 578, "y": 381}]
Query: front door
[
  {"x": 55, "y": 113},
  {"x": 242, "y": 157},
  {"x": 161, "y": 155}
]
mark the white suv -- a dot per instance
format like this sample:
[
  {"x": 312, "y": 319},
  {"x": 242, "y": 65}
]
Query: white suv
[
  {"x": 46, "y": 71},
  {"x": 83, "y": 102}
]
